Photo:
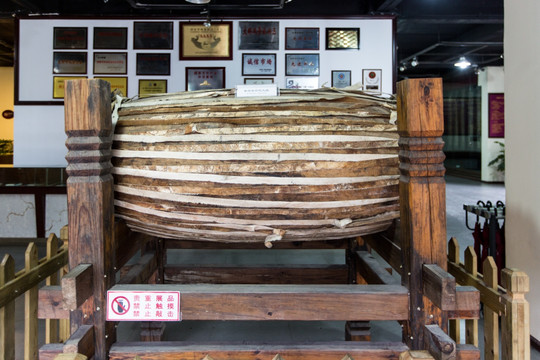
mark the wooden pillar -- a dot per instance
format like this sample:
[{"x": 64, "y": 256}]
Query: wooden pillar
[
  {"x": 90, "y": 199},
  {"x": 422, "y": 197}
]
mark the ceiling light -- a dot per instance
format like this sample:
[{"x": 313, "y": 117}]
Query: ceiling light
[
  {"x": 198, "y": 2},
  {"x": 463, "y": 63},
  {"x": 414, "y": 62},
  {"x": 403, "y": 67}
]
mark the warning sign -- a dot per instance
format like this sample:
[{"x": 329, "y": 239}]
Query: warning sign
[{"x": 143, "y": 306}]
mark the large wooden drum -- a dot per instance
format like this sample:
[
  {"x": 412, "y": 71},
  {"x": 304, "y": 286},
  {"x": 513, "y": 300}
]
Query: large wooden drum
[{"x": 306, "y": 165}]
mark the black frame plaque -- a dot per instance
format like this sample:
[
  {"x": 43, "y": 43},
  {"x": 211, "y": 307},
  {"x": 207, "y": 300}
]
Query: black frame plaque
[
  {"x": 153, "y": 64},
  {"x": 152, "y": 35},
  {"x": 110, "y": 63},
  {"x": 70, "y": 38},
  {"x": 341, "y": 78},
  {"x": 110, "y": 38},
  {"x": 70, "y": 62},
  {"x": 259, "y": 64},
  {"x": 302, "y": 38},
  {"x": 342, "y": 38},
  {"x": 302, "y": 65},
  {"x": 258, "y": 35}
]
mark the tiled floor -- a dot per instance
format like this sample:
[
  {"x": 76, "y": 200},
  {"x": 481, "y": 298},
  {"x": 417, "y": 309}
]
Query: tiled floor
[{"x": 459, "y": 192}]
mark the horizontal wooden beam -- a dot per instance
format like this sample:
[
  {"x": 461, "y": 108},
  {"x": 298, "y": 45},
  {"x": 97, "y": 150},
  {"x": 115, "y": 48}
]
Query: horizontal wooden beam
[
  {"x": 323, "y": 244},
  {"x": 467, "y": 352},
  {"x": 81, "y": 341},
  {"x": 51, "y": 303},
  {"x": 50, "y": 351},
  {"x": 438, "y": 343},
  {"x": 387, "y": 249},
  {"x": 287, "y": 302},
  {"x": 27, "y": 280},
  {"x": 266, "y": 274},
  {"x": 467, "y": 303},
  {"x": 313, "y": 351},
  {"x": 372, "y": 270},
  {"x": 489, "y": 297},
  {"x": 141, "y": 271},
  {"x": 77, "y": 286},
  {"x": 439, "y": 287}
]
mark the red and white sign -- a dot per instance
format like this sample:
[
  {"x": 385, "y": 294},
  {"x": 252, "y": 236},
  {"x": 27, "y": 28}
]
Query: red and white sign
[{"x": 143, "y": 306}]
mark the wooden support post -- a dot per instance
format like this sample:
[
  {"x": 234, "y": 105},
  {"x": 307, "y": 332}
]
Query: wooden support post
[
  {"x": 7, "y": 313},
  {"x": 422, "y": 197},
  {"x": 51, "y": 325},
  {"x": 515, "y": 323},
  {"x": 90, "y": 199}
]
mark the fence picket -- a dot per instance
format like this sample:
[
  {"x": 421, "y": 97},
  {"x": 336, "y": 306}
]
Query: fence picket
[
  {"x": 51, "y": 325},
  {"x": 30, "y": 308},
  {"x": 471, "y": 326},
  {"x": 64, "y": 325},
  {"x": 491, "y": 318},
  {"x": 7, "y": 313}
]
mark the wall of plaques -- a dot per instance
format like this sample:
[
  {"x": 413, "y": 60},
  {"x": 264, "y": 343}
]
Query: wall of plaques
[{"x": 142, "y": 57}]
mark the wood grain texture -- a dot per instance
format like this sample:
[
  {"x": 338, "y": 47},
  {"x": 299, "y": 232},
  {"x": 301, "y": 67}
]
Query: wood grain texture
[
  {"x": 287, "y": 302},
  {"x": 250, "y": 351},
  {"x": 77, "y": 286},
  {"x": 515, "y": 322},
  {"x": 51, "y": 303},
  {"x": 81, "y": 342},
  {"x": 422, "y": 197},
  {"x": 372, "y": 271},
  {"x": 438, "y": 343},
  {"x": 51, "y": 325},
  {"x": 211, "y": 167},
  {"x": 7, "y": 311},
  {"x": 90, "y": 199},
  {"x": 258, "y": 274},
  {"x": 491, "y": 317},
  {"x": 30, "y": 307},
  {"x": 439, "y": 287}
]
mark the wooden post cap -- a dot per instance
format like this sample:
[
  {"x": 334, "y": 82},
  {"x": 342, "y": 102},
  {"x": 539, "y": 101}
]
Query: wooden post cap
[{"x": 515, "y": 281}]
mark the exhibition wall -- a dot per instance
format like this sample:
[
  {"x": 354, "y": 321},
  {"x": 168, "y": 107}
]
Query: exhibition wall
[{"x": 39, "y": 129}]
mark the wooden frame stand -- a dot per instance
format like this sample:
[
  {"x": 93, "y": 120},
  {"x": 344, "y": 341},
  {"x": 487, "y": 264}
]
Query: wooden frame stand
[{"x": 357, "y": 293}]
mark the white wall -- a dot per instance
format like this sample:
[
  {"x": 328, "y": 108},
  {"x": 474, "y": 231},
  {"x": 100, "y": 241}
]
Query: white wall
[
  {"x": 491, "y": 79},
  {"x": 39, "y": 137},
  {"x": 522, "y": 69}
]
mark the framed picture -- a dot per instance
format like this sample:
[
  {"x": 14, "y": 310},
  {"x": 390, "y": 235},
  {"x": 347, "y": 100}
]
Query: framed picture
[
  {"x": 70, "y": 38},
  {"x": 110, "y": 38},
  {"x": 110, "y": 63},
  {"x": 152, "y": 35},
  {"x": 152, "y": 87},
  {"x": 302, "y": 64},
  {"x": 58, "y": 85},
  {"x": 258, "y": 35},
  {"x": 205, "y": 78},
  {"x": 496, "y": 115},
  {"x": 259, "y": 64},
  {"x": 117, "y": 83},
  {"x": 258, "y": 81},
  {"x": 153, "y": 64},
  {"x": 302, "y": 83},
  {"x": 342, "y": 38},
  {"x": 69, "y": 62},
  {"x": 301, "y": 38},
  {"x": 341, "y": 78},
  {"x": 372, "y": 80},
  {"x": 198, "y": 42}
]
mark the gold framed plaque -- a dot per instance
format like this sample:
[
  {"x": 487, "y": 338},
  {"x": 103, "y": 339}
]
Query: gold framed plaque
[
  {"x": 117, "y": 83},
  {"x": 199, "y": 42},
  {"x": 58, "y": 85},
  {"x": 342, "y": 38},
  {"x": 152, "y": 87}
]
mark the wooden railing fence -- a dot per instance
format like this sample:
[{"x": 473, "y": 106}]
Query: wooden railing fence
[
  {"x": 504, "y": 304},
  {"x": 26, "y": 282}
]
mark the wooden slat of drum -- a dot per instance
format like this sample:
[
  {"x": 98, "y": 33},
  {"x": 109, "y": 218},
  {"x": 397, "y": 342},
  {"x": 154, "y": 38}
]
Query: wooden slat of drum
[
  {"x": 246, "y": 351},
  {"x": 286, "y": 302}
]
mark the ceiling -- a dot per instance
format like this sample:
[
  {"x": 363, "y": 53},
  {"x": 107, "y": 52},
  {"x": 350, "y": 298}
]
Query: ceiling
[{"x": 434, "y": 32}]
